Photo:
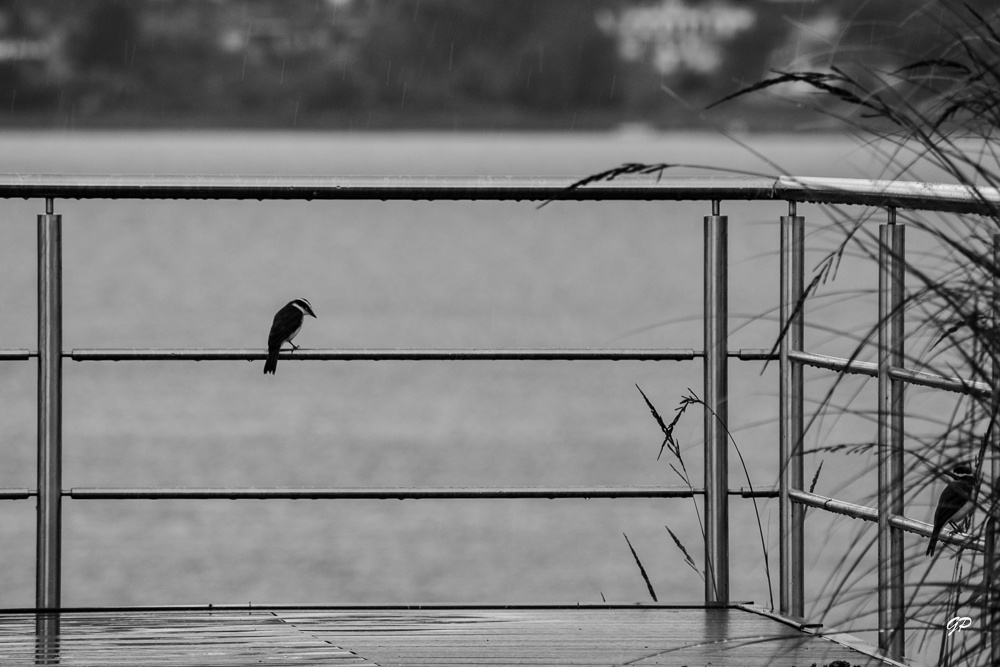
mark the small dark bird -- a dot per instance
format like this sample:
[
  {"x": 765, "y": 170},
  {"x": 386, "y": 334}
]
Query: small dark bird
[
  {"x": 286, "y": 325},
  {"x": 956, "y": 502}
]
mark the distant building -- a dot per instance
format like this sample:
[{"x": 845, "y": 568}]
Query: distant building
[
  {"x": 274, "y": 32},
  {"x": 32, "y": 53},
  {"x": 673, "y": 36},
  {"x": 22, "y": 35},
  {"x": 24, "y": 50}
]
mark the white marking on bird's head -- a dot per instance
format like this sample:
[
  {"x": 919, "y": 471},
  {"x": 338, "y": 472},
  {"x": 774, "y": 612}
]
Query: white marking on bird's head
[
  {"x": 304, "y": 306},
  {"x": 961, "y": 471}
]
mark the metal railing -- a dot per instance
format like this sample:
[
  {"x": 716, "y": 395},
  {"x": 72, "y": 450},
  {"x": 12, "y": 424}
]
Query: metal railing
[{"x": 791, "y": 356}]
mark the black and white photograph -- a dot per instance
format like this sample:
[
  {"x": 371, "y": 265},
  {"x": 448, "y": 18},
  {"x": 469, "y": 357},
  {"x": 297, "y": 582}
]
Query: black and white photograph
[{"x": 500, "y": 332}]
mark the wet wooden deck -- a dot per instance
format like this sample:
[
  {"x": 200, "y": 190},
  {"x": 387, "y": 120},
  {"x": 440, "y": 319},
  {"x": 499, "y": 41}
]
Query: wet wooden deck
[{"x": 434, "y": 635}]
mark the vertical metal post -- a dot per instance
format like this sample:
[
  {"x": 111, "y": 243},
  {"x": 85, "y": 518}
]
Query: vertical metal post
[
  {"x": 49, "y": 520},
  {"x": 991, "y": 560},
  {"x": 716, "y": 316},
  {"x": 890, "y": 437},
  {"x": 897, "y": 600},
  {"x": 790, "y": 410}
]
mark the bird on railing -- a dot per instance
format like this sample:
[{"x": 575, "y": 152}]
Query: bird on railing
[
  {"x": 956, "y": 502},
  {"x": 285, "y": 327}
]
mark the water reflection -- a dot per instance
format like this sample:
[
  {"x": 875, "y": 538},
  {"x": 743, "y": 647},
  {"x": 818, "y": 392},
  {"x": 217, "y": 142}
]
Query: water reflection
[{"x": 47, "y": 638}]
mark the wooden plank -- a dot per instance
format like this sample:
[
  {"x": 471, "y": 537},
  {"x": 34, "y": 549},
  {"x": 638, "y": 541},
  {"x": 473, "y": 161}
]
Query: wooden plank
[
  {"x": 166, "y": 638},
  {"x": 576, "y": 637},
  {"x": 640, "y": 635}
]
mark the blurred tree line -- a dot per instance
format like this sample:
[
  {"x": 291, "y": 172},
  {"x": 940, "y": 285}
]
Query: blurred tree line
[{"x": 391, "y": 63}]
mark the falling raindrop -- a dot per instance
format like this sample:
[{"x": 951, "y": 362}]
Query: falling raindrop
[{"x": 246, "y": 51}]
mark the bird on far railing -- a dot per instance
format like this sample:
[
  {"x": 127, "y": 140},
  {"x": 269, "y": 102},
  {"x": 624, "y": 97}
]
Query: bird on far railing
[
  {"x": 285, "y": 327},
  {"x": 956, "y": 502}
]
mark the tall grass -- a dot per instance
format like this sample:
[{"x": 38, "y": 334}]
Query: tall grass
[
  {"x": 935, "y": 111},
  {"x": 939, "y": 109}
]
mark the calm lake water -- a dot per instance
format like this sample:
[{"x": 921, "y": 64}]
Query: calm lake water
[{"x": 397, "y": 274}]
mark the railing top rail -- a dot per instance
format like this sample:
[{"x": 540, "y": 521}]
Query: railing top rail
[{"x": 902, "y": 194}]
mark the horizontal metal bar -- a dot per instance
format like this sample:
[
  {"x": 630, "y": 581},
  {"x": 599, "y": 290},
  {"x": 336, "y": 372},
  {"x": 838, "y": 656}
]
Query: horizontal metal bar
[
  {"x": 397, "y": 493},
  {"x": 833, "y": 505},
  {"x": 756, "y": 493},
  {"x": 912, "y": 195},
  {"x": 834, "y": 363},
  {"x": 376, "y": 493},
  {"x": 855, "y": 511},
  {"x": 903, "y": 374},
  {"x": 388, "y": 355},
  {"x": 16, "y": 494},
  {"x": 761, "y": 354},
  {"x": 899, "y": 194},
  {"x": 75, "y": 186},
  {"x": 807, "y": 358},
  {"x": 753, "y": 354},
  {"x": 926, "y": 379},
  {"x": 16, "y": 355}
]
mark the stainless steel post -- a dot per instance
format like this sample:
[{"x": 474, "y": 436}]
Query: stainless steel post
[
  {"x": 716, "y": 315},
  {"x": 49, "y": 516},
  {"x": 897, "y": 600},
  {"x": 890, "y": 437},
  {"x": 991, "y": 563},
  {"x": 790, "y": 406}
]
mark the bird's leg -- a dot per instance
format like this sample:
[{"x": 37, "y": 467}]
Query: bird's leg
[
  {"x": 961, "y": 526},
  {"x": 294, "y": 346}
]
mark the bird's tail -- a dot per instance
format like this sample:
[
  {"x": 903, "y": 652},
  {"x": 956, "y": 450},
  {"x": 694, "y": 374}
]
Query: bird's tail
[
  {"x": 930, "y": 547},
  {"x": 272, "y": 361}
]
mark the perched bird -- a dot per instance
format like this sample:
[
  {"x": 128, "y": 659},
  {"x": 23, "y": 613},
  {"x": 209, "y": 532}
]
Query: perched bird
[
  {"x": 956, "y": 502},
  {"x": 286, "y": 325}
]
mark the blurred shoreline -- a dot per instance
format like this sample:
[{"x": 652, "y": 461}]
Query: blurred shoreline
[
  {"x": 490, "y": 65},
  {"x": 758, "y": 121}
]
